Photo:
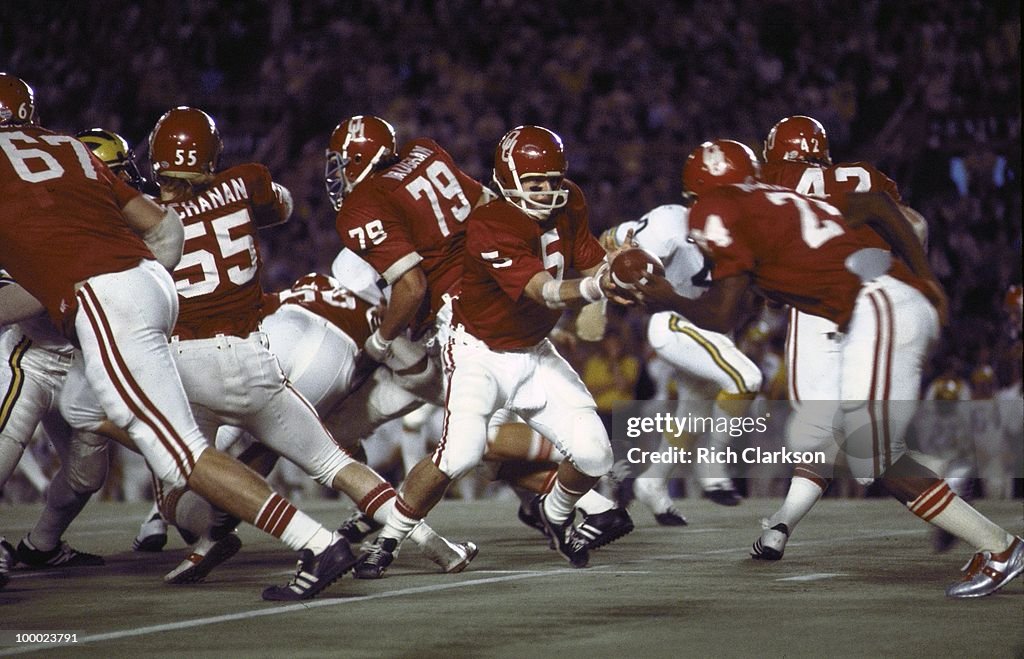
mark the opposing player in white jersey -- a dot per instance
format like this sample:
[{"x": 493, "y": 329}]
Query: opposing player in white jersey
[
  {"x": 709, "y": 370},
  {"x": 34, "y": 359},
  {"x": 94, "y": 253}
]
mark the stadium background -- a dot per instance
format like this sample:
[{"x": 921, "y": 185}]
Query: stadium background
[{"x": 927, "y": 91}]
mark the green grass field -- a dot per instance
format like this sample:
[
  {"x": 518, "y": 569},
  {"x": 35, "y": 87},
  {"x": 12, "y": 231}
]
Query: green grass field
[{"x": 859, "y": 579}]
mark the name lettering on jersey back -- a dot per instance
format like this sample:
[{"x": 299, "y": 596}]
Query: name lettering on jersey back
[
  {"x": 226, "y": 193},
  {"x": 406, "y": 165}
]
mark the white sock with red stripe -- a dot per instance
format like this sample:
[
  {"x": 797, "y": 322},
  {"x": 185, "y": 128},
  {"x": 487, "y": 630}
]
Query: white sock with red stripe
[
  {"x": 400, "y": 522},
  {"x": 560, "y": 502},
  {"x": 940, "y": 506},
  {"x": 281, "y": 519},
  {"x": 421, "y": 534},
  {"x": 803, "y": 493},
  {"x": 379, "y": 502}
]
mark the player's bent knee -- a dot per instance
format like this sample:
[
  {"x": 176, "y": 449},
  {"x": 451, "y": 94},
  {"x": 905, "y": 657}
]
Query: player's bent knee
[
  {"x": 86, "y": 474},
  {"x": 595, "y": 460},
  {"x": 458, "y": 463},
  {"x": 813, "y": 427},
  {"x": 591, "y": 451},
  {"x": 455, "y": 456},
  {"x": 326, "y": 470}
]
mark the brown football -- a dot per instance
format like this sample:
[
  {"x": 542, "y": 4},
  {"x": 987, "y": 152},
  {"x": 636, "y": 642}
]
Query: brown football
[{"x": 633, "y": 265}]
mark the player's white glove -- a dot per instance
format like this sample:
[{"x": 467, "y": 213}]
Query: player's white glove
[{"x": 377, "y": 347}]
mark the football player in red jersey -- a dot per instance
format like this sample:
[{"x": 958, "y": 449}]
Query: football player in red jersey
[
  {"x": 404, "y": 212},
  {"x": 36, "y": 359},
  {"x": 83, "y": 242},
  {"x": 796, "y": 156},
  {"x": 229, "y": 374},
  {"x": 799, "y": 250},
  {"x": 317, "y": 328},
  {"x": 496, "y": 353}
]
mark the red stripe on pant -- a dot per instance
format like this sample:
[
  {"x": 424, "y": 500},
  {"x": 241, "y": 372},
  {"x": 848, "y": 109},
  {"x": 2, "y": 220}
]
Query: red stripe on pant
[
  {"x": 128, "y": 388},
  {"x": 447, "y": 415},
  {"x": 890, "y": 316},
  {"x": 876, "y": 366},
  {"x": 791, "y": 345}
]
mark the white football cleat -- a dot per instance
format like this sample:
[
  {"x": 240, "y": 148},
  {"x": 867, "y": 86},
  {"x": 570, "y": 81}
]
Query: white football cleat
[{"x": 204, "y": 556}]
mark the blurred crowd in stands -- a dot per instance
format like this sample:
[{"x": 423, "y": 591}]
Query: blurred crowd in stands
[{"x": 928, "y": 91}]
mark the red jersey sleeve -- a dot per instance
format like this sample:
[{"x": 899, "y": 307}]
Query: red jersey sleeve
[
  {"x": 506, "y": 244},
  {"x": 587, "y": 251},
  {"x": 266, "y": 208},
  {"x": 715, "y": 227},
  {"x": 470, "y": 186},
  {"x": 369, "y": 226}
]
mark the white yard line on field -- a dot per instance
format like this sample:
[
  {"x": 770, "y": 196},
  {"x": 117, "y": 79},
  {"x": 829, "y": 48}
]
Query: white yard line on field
[{"x": 341, "y": 601}]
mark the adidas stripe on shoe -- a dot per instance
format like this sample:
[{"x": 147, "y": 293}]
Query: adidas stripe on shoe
[
  {"x": 314, "y": 573},
  {"x": 772, "y": 543},
  {"x": 63, "y": 555}
]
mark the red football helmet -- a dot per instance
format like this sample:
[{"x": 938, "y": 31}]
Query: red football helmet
[
  {"x": 357, "y": 145},
  {"x": 185, "y": 143},
  {"x": 17, "y": 101},
  {"x": 531, "y": 152},
  {"x": 797, "y": 138},
  {"x": 720, "y": 162}
]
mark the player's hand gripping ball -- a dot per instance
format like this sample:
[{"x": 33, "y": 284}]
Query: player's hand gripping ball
[{"x": 634, "y": 265}]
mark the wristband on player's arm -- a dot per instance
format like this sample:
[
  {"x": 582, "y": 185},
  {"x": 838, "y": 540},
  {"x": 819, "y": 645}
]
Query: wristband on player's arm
[{"x": 590, "y": 288}]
